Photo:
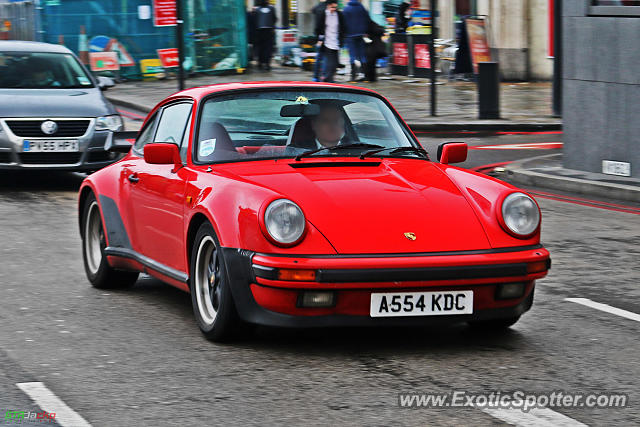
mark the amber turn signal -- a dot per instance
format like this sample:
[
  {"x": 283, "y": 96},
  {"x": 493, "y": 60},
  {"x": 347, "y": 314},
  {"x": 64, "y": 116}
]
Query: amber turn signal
[
  {"x": 297, "y": 275},
  {"x": 538, "y": 266}
]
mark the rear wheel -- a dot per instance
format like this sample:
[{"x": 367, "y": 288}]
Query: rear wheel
[
  {"x": 211, "y": 297},
  {"x": 99, "y": 272}
]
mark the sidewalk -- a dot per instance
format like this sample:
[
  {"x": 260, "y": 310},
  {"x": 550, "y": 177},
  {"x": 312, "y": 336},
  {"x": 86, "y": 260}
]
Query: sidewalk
[
  {"x": 525, "y": 106},
  {"x": 547, "y": 172}
]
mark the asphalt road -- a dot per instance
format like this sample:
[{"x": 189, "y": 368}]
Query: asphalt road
[{"x": 136, "y": 357}]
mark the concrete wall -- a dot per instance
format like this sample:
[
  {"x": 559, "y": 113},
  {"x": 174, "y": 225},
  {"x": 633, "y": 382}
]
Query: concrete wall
[{"x": 601, "y": 89}]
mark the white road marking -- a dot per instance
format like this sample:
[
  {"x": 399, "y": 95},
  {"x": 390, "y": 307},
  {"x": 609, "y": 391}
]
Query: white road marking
[
  {"x": 537, "y": 417},
  {"x": 607, "y": 308},
  {"x": 45, "y": 399}
]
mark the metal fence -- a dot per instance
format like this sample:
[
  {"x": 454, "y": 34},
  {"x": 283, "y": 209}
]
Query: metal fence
[{"x": 17, "y": 21}]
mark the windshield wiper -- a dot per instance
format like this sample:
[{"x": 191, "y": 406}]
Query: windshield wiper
[
  {"x": 395, "y": 150},
  {"x": 338, "y": 147}
]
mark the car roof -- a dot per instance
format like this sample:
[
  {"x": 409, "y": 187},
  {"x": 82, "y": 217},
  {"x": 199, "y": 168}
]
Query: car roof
[
  {"x": 202, "y": 91},
  {"x": 25, "y": 46}
]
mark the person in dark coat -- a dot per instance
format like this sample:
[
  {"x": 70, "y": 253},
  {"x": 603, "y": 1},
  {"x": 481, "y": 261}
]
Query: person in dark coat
[
  {"x": 330, "y": 32},
  {"x": 375, "y": 49},
  {"x": 403, "y": 17},
  {"x": 318, "y": 13},
  {"x": 265, "y": 23},
  {"x": 356, "y": 18}
]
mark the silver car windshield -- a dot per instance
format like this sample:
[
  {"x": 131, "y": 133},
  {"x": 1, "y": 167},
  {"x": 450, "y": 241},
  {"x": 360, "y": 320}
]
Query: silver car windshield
[
  {"x": 284, "y": 124},
  {"x": 40, "y": 70}
]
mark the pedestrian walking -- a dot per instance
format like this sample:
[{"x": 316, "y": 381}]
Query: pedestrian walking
[
  {"x": 356, "y": 19},
  {"x": 318, "y": 14},
  {"x": 376, "y": 48},
  {"x": 265, "y": 22},
  {"x": 330, "y": 32}
]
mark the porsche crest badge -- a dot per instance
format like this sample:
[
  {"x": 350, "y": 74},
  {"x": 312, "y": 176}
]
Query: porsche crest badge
[{"x": 409, "y": 235}]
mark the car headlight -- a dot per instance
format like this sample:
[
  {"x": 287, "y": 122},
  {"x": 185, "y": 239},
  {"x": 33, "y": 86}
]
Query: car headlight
[
  {"x": 284, "y": 221},
  {"x": 113, "y": 123},
  {"x": 521, "y": 214}
]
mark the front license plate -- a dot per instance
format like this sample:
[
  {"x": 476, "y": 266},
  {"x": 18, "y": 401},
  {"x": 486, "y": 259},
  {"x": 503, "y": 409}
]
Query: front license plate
[
  {"x": 421, "y": 304},
  {"x": 54, "y": 146}
]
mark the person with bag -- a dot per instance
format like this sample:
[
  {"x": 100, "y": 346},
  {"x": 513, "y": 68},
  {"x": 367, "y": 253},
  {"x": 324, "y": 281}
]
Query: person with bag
[{"x": 375, "y": 49}]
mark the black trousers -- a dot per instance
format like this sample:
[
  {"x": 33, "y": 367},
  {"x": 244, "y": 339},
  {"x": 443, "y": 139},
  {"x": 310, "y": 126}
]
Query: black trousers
[{"x": 265, "y": 37}]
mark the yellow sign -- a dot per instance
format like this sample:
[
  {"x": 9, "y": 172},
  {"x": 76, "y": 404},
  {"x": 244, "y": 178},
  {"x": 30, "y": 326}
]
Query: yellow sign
[
  {"x": 411, "y": 236},
  {"x": 152, "y": 68}
]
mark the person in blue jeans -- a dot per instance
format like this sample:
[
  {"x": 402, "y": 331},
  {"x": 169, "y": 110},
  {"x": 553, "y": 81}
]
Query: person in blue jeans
[{"x": 356, "y": 19}]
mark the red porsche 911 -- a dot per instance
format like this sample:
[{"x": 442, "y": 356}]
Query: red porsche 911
[{"x": 304, "y": 205}]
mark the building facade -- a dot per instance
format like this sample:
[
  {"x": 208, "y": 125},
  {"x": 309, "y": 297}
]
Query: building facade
[{"x": 601, "y": 86}]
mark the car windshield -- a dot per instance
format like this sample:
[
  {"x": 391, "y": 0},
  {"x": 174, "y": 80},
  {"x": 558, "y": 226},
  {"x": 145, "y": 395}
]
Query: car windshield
[
  {"x": 286, "y": 124},
  {"x": 39, "y": 70}
]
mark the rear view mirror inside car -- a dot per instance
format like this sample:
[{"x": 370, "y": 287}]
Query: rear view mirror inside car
[{"x": 299, "y": 110}]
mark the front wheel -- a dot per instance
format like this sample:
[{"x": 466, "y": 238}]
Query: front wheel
[
  {"x": 211, "y": 297},
  {"x": 99, "y": 272}
]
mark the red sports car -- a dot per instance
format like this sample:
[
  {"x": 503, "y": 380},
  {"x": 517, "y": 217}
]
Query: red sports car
[{"x": 302, "y": 204}]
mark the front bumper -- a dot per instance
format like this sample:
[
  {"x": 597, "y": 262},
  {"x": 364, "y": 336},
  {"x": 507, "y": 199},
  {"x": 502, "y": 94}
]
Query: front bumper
[
  {"x": 91, "y": 154},
  {"x": 273, "y": 302}
]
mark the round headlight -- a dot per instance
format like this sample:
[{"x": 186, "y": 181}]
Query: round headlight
[
  {"x": 284, "y": 221},
  {"x": 520, "y": 214}
]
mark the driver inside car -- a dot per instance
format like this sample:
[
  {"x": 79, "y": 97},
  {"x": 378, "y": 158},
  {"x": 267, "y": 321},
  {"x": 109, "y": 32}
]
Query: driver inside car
[{"x": 328, "y": 126}]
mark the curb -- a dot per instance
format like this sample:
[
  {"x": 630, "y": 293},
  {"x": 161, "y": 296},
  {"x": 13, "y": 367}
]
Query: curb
[
  {"x": 416, "y": 127},
  {"x": 518, "y": 173}
]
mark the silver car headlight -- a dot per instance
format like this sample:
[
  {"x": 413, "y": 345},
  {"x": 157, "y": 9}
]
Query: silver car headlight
[
  {"x": 113, "y": 123},
  {"x": 284, "y": 221},
  {"x": 521, "y": 214}
]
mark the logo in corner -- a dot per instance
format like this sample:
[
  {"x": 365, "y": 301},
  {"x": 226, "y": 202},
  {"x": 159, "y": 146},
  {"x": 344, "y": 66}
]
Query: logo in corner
[{"x": 409, "y": 235}]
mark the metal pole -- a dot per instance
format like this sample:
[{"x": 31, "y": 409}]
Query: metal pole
[
  {"x": 432, "y": 56},
  {"x": 180, "y": 44},
  {"x": 557, "y": 58}
]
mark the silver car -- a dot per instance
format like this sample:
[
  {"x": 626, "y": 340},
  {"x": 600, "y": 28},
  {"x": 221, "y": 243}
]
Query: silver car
[{"x": 52, "y": 111}]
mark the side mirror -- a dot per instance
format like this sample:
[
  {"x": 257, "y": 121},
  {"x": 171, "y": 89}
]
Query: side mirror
[
  {"x": 120, "y": 142},
  {"x": 452, "y": 152},
  {"x": 163, "y": 153},
  {"x": 105, "y": 83}
]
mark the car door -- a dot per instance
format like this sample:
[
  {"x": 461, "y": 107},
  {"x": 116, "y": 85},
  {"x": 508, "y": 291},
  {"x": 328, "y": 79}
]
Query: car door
[{"x": 157, "y": 195}]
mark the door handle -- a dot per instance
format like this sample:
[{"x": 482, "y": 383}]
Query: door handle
[{"x": 133, "y": 178}]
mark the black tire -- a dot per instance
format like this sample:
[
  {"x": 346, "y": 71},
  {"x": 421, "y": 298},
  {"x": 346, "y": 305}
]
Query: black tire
[
  {"x": 100, "y": 274},
  {"x": 494, "y": 324},
  {"x": 213, "y": 305}
]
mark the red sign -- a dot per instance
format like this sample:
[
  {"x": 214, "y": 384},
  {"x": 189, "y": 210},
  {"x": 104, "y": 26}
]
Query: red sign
[
  {"x": 478, "y": 45},
  {"x": 104, "y": 61},
  {"x": 400, "y": 54},
  {"x": 421, "y": 55},
  {"x": 168, "y": 57},
  {"x": 164, "y": 13}
]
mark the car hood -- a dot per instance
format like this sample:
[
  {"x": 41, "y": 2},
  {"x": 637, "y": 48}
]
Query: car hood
[
  {"x": 54, "y": 103},
  {"x": 374, "y": 208}
]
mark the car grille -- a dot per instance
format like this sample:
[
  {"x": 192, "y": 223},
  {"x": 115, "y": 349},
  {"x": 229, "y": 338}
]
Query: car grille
[
  {"x": 50, "y": 158},
  {"x": 5, "y": 157},
  {"x": 31, "y": 128}
]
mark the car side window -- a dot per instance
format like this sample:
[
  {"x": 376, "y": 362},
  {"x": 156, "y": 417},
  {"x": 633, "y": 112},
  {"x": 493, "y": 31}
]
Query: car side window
[
  {"x": 173, "y": 123},
  {"x": 146, "y": 135}
]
